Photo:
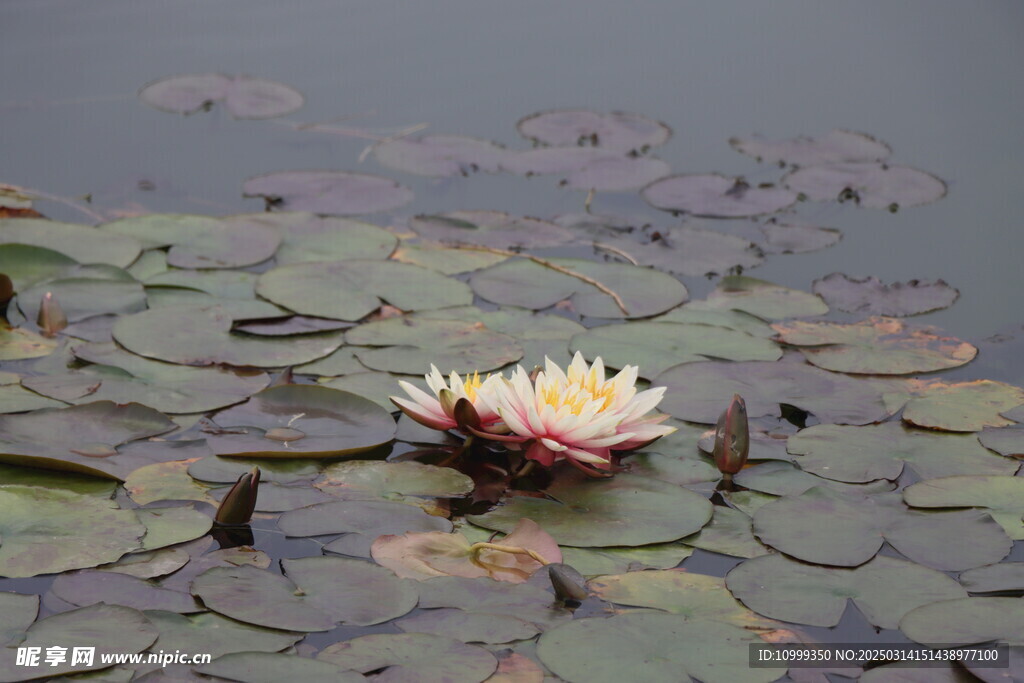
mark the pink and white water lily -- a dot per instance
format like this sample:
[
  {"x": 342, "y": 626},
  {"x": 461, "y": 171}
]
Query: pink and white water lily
[{"x": 442, "y": 410}]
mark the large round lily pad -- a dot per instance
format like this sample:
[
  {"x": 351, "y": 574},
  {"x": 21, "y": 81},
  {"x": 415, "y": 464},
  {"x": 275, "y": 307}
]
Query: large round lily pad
[
  {"x": 26, "y": 264},
  {"x": 309, "y": 238},
  {"x": 1002, "y": 496},
  {"x": 90, "y": 587},
  {"x": 966, "y": 621},
  {"x": 367, "y": 479},
  {"x": 349, "y": 290},
  {"x": 1005, "y": 576},
  {"x": 877, "y": 346},
  {"x": 797, "y": 238},
  {"x": 871, "y": 297},
  {"x": 690, "y": 251},
  {"x": 273, "y": 667},
  {"x": 412, "y": 658},
  {"x": 625, "y": 510},
  {"x": 44, "y": 531},
  {"x": 196, "y": 335},
  {"x": 884, "y": 589},
  {"x": 832, "y": 147},
  {"x": 651, "y": 646},
  {"x": 617, "y": 131},
  {"x": 211, "y": 633},
  {"x": 868, "y": 184},
  {"x": 328, "y": 192},
  {"x": 86, "y": 291},
  {"x": 411, "y": 345},
  {"x": 762, "y": 299},
  {"x": 82, "y": 243},
  {"x": 716, "y": 196},
  {"x": 527, "y": 284},
  {"x": 445, "y": 260},
  {"x": 244, "y": 96},
  {"x": 440, "y": 156},
  {"x": 963, "y": 406},
  {"x": 656, "y": 346},
  {"x": 490, "y": 229},
  {"x": 699, "y": 392},
  {"x": 302, "y": 421},
  {"x": 730, "y": 532}
]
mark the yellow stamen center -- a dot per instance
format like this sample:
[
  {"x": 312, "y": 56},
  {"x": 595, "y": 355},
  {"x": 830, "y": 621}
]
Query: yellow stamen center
[
  {"x": 472, "y": 384},
  {"x": 576, "y": 396}
]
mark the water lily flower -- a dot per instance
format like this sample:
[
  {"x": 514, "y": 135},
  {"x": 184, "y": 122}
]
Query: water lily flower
[
  {"x": 578, "y": 415},
  {"x": 732, "y": 438},
  {"x": 456, "y": 403}
]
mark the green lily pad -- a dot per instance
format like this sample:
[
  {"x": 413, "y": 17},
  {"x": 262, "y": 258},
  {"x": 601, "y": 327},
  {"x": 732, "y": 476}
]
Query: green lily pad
[
  {"x": 762, "y": 299},
  {"x": 730, "y": 532},
  {"x": 17, "y": 612},
  {"x": 877, "y": 346},
  {"x": 695, "y": 596},
  {"x": 690, "y": 251},
  {"x": 228, "y": 284},
  {"x": 149, "y": 264},
  {"x": 860, "y": 454},
  {"x": 682, "y": 471},
  {"x": 28, "y": 264},
  {"x": 79, "y": 439},
  {"x": 110, "y": 629},
  {"x": 787, "y": 479},
  {"x": 1002, "y": 496},
  {"x": 847, "y": 528},
  {"x": 490, "y": 229},
  {"x": 966, "y": 621},
  {"x": 90, "y": 587},
  {"x": 650, "y": 646},
  {"x": 657, "y": 346},
  {"x": 123, "y": 377},
  {"x": 375, "y": 386},
  {"x": 172, "y": 525},
  {"x": 201, "y": 241},
  {"x": 191, "y": 335},
  {"x": 1008, "y": 442},
  {"x": 797, "y": 238},
  {"x": 244, "y": 96},
  {"x": 615, "y": 560},
  {"x": 716, "y": 196},
  {"x": 468, "y": 627},
  {"x": 200, "y": 562},
  {"x": 349, "y": 290},
  {"x": 963, "y": 406},
  {"x": 626, "y": 510},
  {"x": 868, "y": 184},
  {"x": 869, "y": 296},
  {"x": 212, "y": 634},
  {"x": 82, "y": 293},
  {"x": 440, "y": 156},
  {"x": 526, "y": 284},
  {"x": 309, "y": 238},
  {"x": 412, "y": 658},
  {"x": 884, "y": 589},
  {"x": 76, "y": 483},
  {"x": 734, "y": 320},
  {"x": 616, "y": 131},
  {"x": 273, "y": 667},
  {"x": 1005, "y": 576},
  {"x": 698, "y": 392},
  {"x": 369, "y": 479},
  {"x": 82, "y": 243},
  {"x": 159, "y": 296},
  {"x": 341, "y": 362},
  {"x": 328, "y": 192},
  {"x": 166, "y": 481},
  {"x": 333, "y": 423},
  {"x": 445, "y": 260},
  {"x": 149, "y": 564},
  {"x": 227, "y": 470},
  {"x": 412, "y": 345},
  {"x": 832, "y": 147},
  {"x": 17, "y": 343}
]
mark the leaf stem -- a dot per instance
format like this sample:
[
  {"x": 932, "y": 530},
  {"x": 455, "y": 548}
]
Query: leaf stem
[{"x": 515, "y": 550}]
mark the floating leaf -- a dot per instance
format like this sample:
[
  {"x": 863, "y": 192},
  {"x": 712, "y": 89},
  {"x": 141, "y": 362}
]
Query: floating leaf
[
  {"x": 201, "y": 241},
  {"x": 215, "y": 635},
  {"x": 27, "y": 265},
  {"x": 682, "y": 471},
  {"x": 17, "y": 612},
  {"x": 412, "y": 345},
  {"x": 847, "y": 528},
  {"x": 730, "y": 532},
  {"x": 440, "y": 156},
  {"x": 833, "y": 147},
  {"x": 796, "y": 238},
  {"x": 376, "y": 386},
  {"x": 545, "y": 160},
  {"x": 369, "y": 479},
  {"x": 877, "y": 346},
  {"x": 308, "y": 237},
  {"x": 166, "y": 481},
  {"x": 296, "y": 324},
  {"x": 227, "y": 470},
  {"x": 734, "y": 320},
  {"x": 656, "y": 346},
  {"x": 245, "y": 97},
  {"x": 697, "y": 391},
  {"x": 689, "y": 251},
  {"x": 328, "y": 192},
  {"x": 868, "y": 184},
  {"x": 412, "y": 657},
  {"x": 273, "y": 667},
  {"x": 172, "y": 525},
  {"x": 963, "y": 406},
  {"x": 615, "y": 560},
  {"x": 16, "y": 399},
  {"x": 715, "y": 196},
  {"x": 192, "y": 335},
  {"x": 349, "y": 290},
  {"x": 76, "y": 483},
  {"x": 109, "y": 630},
  {"x": 445, "y": 260},
  {"x": 123, "y": 377},
  {"x": 616, "y": 174},
  {"x": 626, "y": 510},
  {"x": 884, "y": 589},
  {"x": 651, "y": 646},
  {"x": 490, "y": 229},
  {"x": 149, "y": 564},
  {"x": 966, "y": 621},
  {"x": 1002, "y": 496},
  {"x": 90, "y": 587},
  {"x": 860, "y": 454},
  {"x": 787, "y": 479},
  {"x": 82, "y": 243},
  {"x": 468, "y": 628},
  {"x": 869, "y": 296},
  {"x": 762, "y": 299},
  {"x": 1003, "y": 441},
  {"x": 333, "y": 422},
  {"x": 619, "y": 131},
  {"x": 1006, "y": 576},
  {"x": 45, "y": 531},
  {"x": 81, "y": 294},
  {"x": 527, "y": 284}
]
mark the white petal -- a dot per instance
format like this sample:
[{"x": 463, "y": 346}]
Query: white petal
[{"x": 553, "y": 445}]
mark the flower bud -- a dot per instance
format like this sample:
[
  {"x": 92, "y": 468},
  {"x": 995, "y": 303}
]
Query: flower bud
[
  {"x": 732, "y": 437},
  {"x": 51, "y": 318},
  {"x": 569, "y": 584},
  {"x": 237, "y": 506},
  {"x": 466, "y": 416}
]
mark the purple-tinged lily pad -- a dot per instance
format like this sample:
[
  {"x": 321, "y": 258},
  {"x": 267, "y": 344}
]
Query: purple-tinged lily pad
[
  {"x": 834, "y": 147},
  {"x": 616, "y": 174},
  {"x": 211, "y": 633},
  {"x": 1002, "y": 496},
  {"x": 716, "y": 196},
  {"x": 490, "y": 229},
  {"x": 328, "y": 192},
  {"x": 441, "y": 156},
  {"x": 245, "y": 97},
  {"x": 869, "y": 296},
  {"x": 618, "y": 131},
  {"x": 884, "y": 589},
  {"x": 546, "y": 160},
  {"x": 876, "y": 346},
  {"x": 273, "y": 667},
  {"x": 690, "y": 251},
  {"x": 90, "y": 587},
  {"x": 412, "y": 658},
  {"x": 797, "y": 238},
  {"x": 994, "y": 578},
  {"x": 730, "y": 532},
  {"x": 869, "y": 184},
  {"x": 762, "y": 299}
]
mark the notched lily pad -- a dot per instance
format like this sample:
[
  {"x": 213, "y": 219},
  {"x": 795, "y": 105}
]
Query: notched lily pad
[
  {"x": 762, "y": 299},
  {"x": 966, "y": 621},
  {"x": 617, "y": 131},
  {"x": 369, "y": 479},
  {"x": 490, "y": 229},
  {"x": 833, "y": 147},
  {"x": 82, "y": 243},
  {"x": 440, "y": 156},
  {"x": 211, "y": 633},
  {"x": 716, "y": 196},
  {"x": 995, "y": 578},
  {"x": 689, "y": 251},
  {"x": 272, "y": 667},
  {"x": 307, "y": 237},
  {"x": 1002, "y": 496},
  {"x": 328, "y": 192},
  {"x": 871, "y": 297},
  {"x": 245, "y": 97},
  {"x": 90, "y": 587},
  {"x": 412, "y": 658},
  {"x": 962, "y": 406},
  {"x": 868, "y": 184}
]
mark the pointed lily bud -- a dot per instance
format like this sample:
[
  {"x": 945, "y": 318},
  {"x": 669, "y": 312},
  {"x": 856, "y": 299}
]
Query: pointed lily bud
[
  {"x": 466, "y": 416},
  {"x": 237, "y": 506},
  {"x": 51, "y": 316},
  {"x": 732, "y": 438},
  {"x": 569, "y": 584}
]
